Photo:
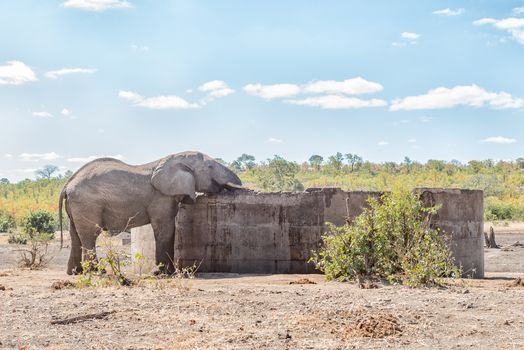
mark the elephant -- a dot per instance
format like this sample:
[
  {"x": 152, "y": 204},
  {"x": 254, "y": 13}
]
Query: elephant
[{"x": 108, "y": 194}]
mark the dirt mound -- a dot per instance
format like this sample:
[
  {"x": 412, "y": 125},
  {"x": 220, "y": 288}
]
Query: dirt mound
[
  {"x": 62, "y": 284},
  {"x": 517, "y": 282},
  {"x": 379, "y": 325},
  {"x": 303, "y": 281}
]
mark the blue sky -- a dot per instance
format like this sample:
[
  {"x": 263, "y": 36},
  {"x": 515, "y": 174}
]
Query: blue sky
[{"x": 142, "y": 79}]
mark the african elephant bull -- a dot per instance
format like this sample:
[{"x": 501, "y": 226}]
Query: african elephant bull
[{"x": 108, "y": 194}]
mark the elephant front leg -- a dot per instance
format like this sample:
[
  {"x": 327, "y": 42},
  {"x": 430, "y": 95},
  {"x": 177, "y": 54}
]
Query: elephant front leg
[{"x": 165, "y": 245}]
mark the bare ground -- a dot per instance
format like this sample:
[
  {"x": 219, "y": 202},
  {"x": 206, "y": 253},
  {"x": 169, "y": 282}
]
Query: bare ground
[{"x": 228, "y": 311}]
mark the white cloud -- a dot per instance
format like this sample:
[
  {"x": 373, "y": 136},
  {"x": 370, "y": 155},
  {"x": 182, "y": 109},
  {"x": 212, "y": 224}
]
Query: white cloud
[
  {"x": 410, "y": 36},
  {"x": 518, "y": 10},
  {"x": 42, "y": 114},
  {"x": 96, "y": 5},
  {"x": 216, "y": 88},
  {"x": 269, "y": 92},
  {"x": 506, "y": 23},
  {"x": 8, "y": 155},
  {"x": 66, "y": 112},
  {"x": 53, "y": 74},
  {"x": 412, "y": 140},
  {"x": 397, "y": 44},
  {"x": 499, "y": 140},
  {"x": 16, "y": 73},
  {"x": 383, "y": 143},
  {"x": 35, "y": 157},
  {"x": 142, "y": 48},
  {"x": 274, "y": 140},
  {"x": 468, "y": 95},
  {"x": 158, "y": 102},
  {"x": 425, "y": 119},
  {"x": 354, "y": 86},
  {"x": 513, "y": 26},
  {"x": 449, "y": 12},
  {"x": 90, "y": 158},
  {"x": 337, "y": 102}
]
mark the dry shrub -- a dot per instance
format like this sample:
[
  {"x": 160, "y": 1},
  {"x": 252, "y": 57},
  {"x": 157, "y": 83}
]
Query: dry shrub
[
  {"x": 35, "y": 255},
  {"x": 303, "y": 281},
  {"x": 517, "y": 282},
  {"x": 62, "y": 284}
]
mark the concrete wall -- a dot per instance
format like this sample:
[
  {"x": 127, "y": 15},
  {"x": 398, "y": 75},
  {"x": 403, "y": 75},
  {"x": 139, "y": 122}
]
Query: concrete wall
[
  {"x": 462, "y": 215},
  {"x": 249, "y": 232}
]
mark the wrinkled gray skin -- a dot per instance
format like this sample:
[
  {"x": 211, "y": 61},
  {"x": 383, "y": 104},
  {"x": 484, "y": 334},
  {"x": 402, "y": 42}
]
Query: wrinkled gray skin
[{"x": 107, "y": 194}]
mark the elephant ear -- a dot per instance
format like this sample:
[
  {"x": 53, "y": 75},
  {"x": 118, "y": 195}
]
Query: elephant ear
[{"x": 172, "y": 178}]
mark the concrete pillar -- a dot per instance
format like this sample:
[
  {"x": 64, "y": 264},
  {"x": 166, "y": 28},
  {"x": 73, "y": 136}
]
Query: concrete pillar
[
  {"x": 143, "y": 242},
  {"x": 461, "y": 215}
]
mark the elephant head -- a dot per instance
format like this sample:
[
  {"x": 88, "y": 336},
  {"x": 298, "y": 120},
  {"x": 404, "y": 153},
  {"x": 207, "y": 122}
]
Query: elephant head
[{"x": 190, "y": 172}]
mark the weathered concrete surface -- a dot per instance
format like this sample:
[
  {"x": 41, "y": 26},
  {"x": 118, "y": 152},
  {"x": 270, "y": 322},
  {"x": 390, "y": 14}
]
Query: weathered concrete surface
[
  {"x": 462, "y": 215},
  {"x": 249, "y": 232}
]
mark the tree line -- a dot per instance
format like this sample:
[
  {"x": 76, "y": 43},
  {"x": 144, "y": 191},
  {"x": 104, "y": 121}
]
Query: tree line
[{"x": 501, "y": 181}]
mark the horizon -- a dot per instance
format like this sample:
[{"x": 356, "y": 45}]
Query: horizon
[{"x": 138, "y": 80}]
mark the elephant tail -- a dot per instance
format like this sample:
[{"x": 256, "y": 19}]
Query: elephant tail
[{"x": 63, "y": 196}]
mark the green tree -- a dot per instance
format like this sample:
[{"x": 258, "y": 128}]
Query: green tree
[
  {"x": 39, "y": 222},
  {"x": 7, "y": 221},
  {"x": 47, "y": 171},
  {"x": 475, "y": 166},
  {"x": 280, "y": 175},
  {"x": 336, "y": 161},
  {"x": 316, "y": 161},
  {"x": 246, "y": 161},
  {"x": 354, "y": 160},
  {"x": 4, "y": 181},
  {"x": 436, "y": 165},
  {"x": 408, "y": 163},
  {"x": 390, "y": 167}
]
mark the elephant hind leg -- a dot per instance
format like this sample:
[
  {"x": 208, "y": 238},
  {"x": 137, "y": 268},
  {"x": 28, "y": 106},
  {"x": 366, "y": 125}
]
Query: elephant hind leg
[
  {"x": 88, "y": 234},
  {"x": 74, "y": 265}
]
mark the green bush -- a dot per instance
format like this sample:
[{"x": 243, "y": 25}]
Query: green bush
[
  {"x": 17, "y": 238},
  {"x": 39, "y": 223},
  {"x": 392, "y": 239},
  {"x": 280, "y": 175},
  {"x": 7, "y": 221},
  {"x": 495, "y": 210}
]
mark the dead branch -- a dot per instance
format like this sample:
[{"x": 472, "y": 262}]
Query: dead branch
[{"x": 82, "y": 318}]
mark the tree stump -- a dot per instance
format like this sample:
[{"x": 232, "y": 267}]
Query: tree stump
[{"x": 490, "y": 239}]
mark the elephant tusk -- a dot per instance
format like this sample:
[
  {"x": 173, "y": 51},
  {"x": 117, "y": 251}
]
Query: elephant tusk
[{"x": 231, "y": 185}]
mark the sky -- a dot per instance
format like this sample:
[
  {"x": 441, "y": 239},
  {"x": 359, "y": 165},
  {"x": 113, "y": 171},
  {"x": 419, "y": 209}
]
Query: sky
[{"x": 138, "y": 80}]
